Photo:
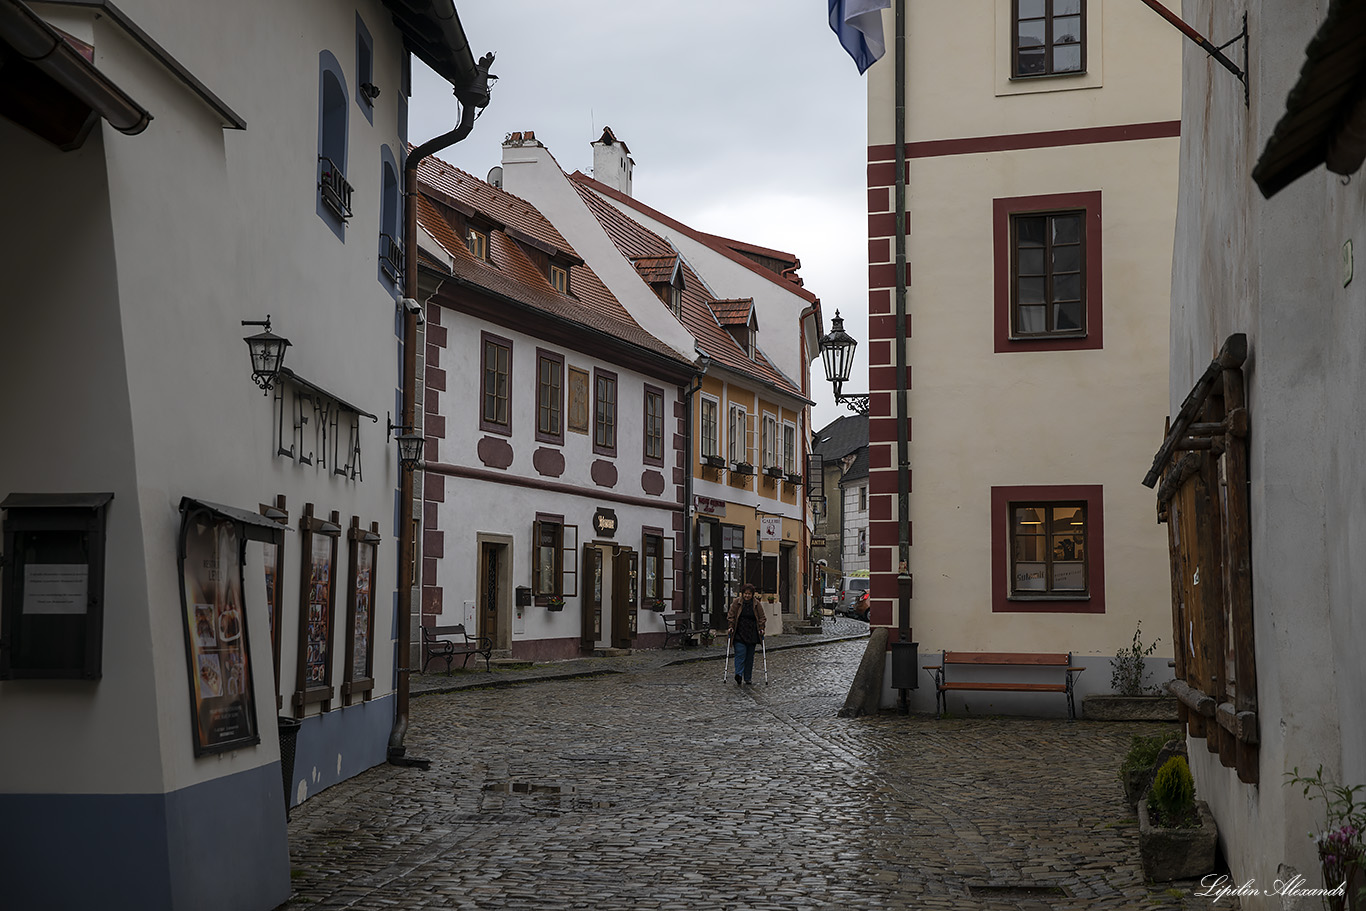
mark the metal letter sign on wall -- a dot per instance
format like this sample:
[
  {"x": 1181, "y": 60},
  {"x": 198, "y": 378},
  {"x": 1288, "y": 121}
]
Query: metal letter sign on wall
[{"x": 605, "y": 522}]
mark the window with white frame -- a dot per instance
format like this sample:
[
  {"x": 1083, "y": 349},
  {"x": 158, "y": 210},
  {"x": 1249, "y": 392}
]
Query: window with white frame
[
  {"x": 789, "y": 448},
  {"x": 710, "y": 419},
  {"x": 736, "y": 436},
  {"x": 770, "y": 441}
]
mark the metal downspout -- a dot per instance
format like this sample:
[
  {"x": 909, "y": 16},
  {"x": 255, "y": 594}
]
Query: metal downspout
[
  {"x": 691, "y": 603},
  {"x": 407, "y": 537},
  {"x": 903, "y": 464}
]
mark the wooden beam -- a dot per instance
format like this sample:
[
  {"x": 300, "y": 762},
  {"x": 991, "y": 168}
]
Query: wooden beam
[
  {"x": 1192, "y": 698},
  {"x": 1231, "y": 355},
  {"x": 1238, "y": 596}
]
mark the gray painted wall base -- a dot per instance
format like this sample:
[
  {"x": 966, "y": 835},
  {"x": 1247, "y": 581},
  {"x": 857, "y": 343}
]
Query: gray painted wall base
[
  {"x": 217, "y": 846},
  {"x": 340, "y": 744}
]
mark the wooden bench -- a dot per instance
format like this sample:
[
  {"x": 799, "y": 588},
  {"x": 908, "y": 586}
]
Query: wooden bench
[
  {"x": 1063, "y": 662},
  {"x": 679, "y": 626},
  {"x": 434, "y": 648}
]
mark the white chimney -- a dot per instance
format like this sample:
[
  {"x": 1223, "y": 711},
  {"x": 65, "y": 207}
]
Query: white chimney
[{"x": 612, "y": 162}]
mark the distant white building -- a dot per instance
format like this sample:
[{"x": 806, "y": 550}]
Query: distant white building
[
  {"x": 741, "y": 311},
  {"x": 186, "y": 558}
]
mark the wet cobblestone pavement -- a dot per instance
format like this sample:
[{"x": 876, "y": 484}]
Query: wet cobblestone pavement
[{"x": 667, "y": 787}]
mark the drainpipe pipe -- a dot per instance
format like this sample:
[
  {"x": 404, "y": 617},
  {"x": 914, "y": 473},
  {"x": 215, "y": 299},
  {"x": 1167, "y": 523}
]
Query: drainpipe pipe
[
  {"x": 473, "y": 98},
  {"x": 903, "y": 463},
  {"x": 689, "y": 458}
]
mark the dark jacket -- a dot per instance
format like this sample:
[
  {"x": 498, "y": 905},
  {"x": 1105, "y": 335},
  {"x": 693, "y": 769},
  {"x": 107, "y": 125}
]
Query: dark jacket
[{"x": 733, "y": 616}]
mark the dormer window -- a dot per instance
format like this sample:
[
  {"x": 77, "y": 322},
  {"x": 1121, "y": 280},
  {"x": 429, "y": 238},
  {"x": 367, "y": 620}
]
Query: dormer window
[
  {"x": 478, "y": 242},
  {"x": 674, "y": 298},
  {"x": 559, "y": 279}
]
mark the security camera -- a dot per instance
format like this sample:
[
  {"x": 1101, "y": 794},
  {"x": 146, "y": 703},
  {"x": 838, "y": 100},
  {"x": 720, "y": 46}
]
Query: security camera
[{"x": 411, "y": 305}]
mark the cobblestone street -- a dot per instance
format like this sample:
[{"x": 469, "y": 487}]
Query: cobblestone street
[{"x": 667, "y": 787}]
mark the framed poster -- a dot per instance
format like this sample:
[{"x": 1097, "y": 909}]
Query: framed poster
[
  {"x": 216, "y": 641},
  {"x": 360, "y": 649},
  {"x": 274, "y": 559},
  {"x": 318, "y": 546}
]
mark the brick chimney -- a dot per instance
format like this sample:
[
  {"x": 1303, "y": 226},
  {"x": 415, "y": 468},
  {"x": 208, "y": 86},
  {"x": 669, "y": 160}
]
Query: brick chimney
[{"x": 612, "y": 162}]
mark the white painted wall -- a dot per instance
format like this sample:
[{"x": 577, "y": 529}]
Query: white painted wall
[
  {"x": 1272, "y": 268},
  {"x": 202, "y": 228},
  {"x": 855, "y": 521},
  {"x": 531, "y": 172},
  {"x": 474, "y": 507}
]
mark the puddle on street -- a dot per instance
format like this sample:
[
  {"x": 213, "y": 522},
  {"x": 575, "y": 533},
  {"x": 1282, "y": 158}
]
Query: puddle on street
[{"x": 548, "y": 799}]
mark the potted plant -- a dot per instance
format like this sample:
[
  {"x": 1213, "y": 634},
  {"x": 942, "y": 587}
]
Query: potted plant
[
  {"x": 795, "y": 479},
  {"x": 1132, "y": 699},
  {"x": 1342, "y": 853},
  {"x": 773, "y": 471},
  {"x": 554, "y": 602},
  {"x": 655, "y": 604},
  {"x": 1144, "y": 756},
  {"x": 1177, "y": 836},
  {"x": 743, "y": 468},
  {"x": 714, "y": 461}
]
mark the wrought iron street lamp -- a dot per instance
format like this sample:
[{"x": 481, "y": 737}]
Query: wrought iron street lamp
[
  {"x": 267, "y": 352},
  {"x": 409, "y": 445},
  {"x": 837, "y": 354}
]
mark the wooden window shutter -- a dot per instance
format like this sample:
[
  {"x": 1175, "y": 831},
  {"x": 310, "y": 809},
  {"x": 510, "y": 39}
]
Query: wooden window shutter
[
  {"x": 770, "y": 573},
  {"x": 754, "y": 569},
  {"x": 535, "y": 556},
  {"x": 569, "y": 561}
]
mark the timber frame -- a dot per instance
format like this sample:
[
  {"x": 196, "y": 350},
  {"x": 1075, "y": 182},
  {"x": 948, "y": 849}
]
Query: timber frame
[{"x": 1203, "y": 499}]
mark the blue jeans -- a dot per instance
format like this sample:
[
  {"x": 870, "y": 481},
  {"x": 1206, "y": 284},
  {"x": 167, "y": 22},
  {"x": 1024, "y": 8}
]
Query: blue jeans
[{"x": 744, "y": 660}]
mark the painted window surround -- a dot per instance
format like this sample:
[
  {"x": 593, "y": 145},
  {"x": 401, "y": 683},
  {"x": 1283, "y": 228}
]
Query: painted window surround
[
  {"x": 608, "y": 448},
  {"x": 658, "y": 394},
  {"x": 1093, "y": 602},
  {"x": 1008, "y": 84},
  {"x": 333, "y": 137},
  {"x": 1002, "y": 210},
  {"x": 544, "y": 436},
  {"x": 485, "y": 339}
]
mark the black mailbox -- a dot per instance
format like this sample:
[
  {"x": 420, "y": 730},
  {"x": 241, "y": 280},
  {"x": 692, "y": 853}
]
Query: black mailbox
[
  {"x": 905, "y": 665},
  {"x": 523, "y": 593}
]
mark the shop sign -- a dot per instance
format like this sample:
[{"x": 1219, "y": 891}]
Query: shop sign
[
  {"x": 818, "y": 540},
  {"x": 770, "y": 528},
  {"x": 709, "y": 506},
  {"x": 216, "y": 635},
  {"x": 605, "y": 522}
]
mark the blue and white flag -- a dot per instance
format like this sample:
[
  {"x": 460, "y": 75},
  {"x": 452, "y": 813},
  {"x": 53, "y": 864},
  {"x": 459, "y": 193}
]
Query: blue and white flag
[{"x": 858, "y": 23}]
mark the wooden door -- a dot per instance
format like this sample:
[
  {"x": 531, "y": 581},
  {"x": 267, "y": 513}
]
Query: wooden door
[
  {"x": 785, "y": 578},
  {"x": 486, "y": 612},
  {"x": 625, "y": 597},
  {"x": 592, "y": 597}
]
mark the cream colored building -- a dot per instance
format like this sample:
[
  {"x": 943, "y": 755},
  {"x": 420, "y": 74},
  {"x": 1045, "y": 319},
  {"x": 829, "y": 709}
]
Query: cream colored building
[{"x": 1039, "y": 247}]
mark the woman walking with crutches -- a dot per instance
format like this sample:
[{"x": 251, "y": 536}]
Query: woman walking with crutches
[{"x": 746, "y": 629}]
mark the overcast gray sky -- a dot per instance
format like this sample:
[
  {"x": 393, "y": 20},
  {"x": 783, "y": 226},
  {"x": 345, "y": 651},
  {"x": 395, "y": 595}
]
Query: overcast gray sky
[{"x": 745, "y": 118}]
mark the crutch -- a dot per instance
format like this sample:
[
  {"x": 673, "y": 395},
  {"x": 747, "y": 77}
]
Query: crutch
[
  {"x": 763, "y": 645},
  {"x": 725, "y": 668}
]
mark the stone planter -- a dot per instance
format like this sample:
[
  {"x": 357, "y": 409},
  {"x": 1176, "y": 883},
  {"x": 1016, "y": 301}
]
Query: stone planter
[
  {"x": 1170, "y": 854},
  {"x": 1129, "y": 708}
]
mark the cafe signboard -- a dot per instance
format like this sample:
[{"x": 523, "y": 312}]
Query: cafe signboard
[{"x": 605, "y": 522}]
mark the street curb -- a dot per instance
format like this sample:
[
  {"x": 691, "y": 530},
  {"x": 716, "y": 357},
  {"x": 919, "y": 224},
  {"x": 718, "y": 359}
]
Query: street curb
[
  {"x": 605, "y": 672},
  {"x": 776, "y": 648}
]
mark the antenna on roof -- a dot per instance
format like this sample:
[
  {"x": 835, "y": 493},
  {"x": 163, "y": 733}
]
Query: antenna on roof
[{"x": 495, "y": 178}]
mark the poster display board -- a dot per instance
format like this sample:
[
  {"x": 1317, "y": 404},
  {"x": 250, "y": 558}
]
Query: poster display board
[
  {"x": 316, "y": 617},
  {"x": 360, "y": 608},
  {"x": 216, "y": 640}
]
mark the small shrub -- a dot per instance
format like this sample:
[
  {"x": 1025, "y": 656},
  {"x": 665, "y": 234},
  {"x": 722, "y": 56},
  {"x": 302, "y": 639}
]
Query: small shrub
[
  {"x": 1143, "y": 751},
  {"x": 1128, "y": 670},
  {"x": 1173, "y": 793}
]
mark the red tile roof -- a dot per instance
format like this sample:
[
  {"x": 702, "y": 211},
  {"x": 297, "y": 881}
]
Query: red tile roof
[
  {"x": 465, "y": 191},
  {"x": 635, "y": 241},
  {"x": 656, "y": 269},
  {"x": 719, "y": 244},
  {"x": 509, "y": 271},
  {"x": 733, "y": 312}
]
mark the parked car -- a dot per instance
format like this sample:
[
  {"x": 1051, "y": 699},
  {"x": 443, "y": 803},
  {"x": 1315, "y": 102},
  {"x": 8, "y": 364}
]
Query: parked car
[{"x": 854, "y": 599}]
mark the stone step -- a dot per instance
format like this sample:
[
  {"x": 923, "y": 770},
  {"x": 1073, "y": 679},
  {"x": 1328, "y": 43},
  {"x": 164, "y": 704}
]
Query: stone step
[
  {"x": 510, "y": 663},
  {"x": 611, "y": 652}
]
